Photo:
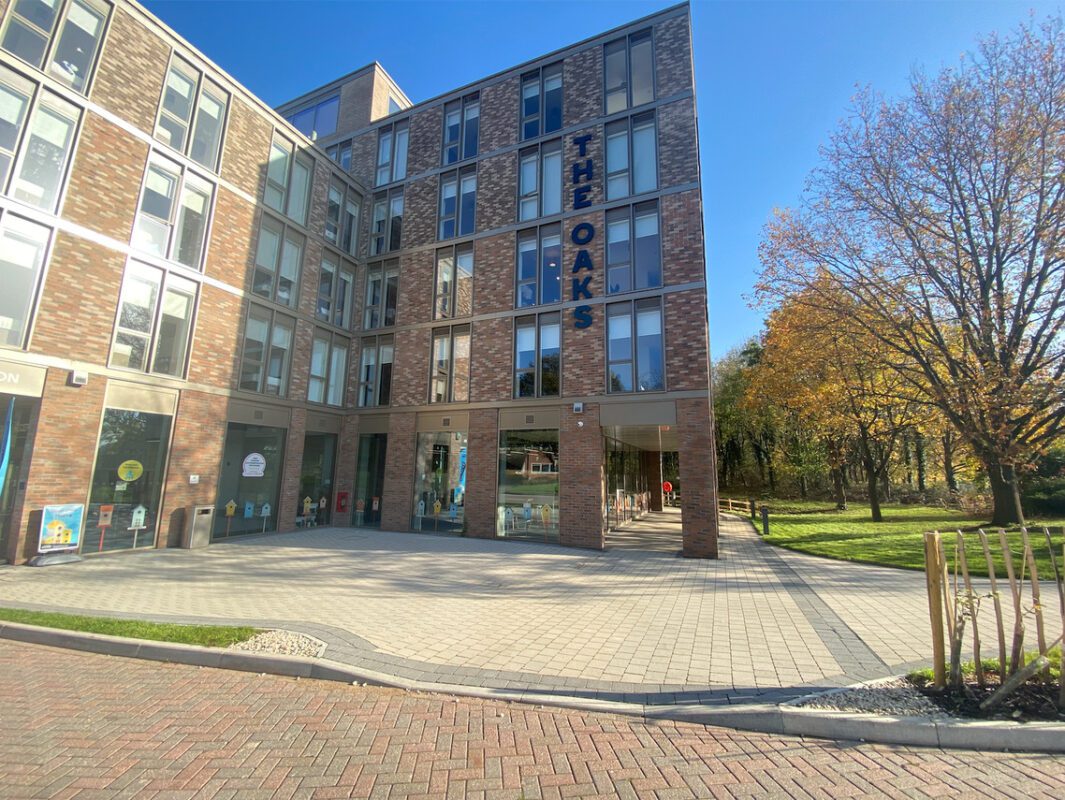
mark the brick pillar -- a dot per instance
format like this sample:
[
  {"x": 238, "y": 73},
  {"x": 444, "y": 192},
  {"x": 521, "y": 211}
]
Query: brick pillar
[
  {"x": 582, "y": 481},
  {"x": 482, "y": 469},
  {"x": 289, "y": 501},
  {"x": 347, "y": 453},
  {"x": 698, "y": 478},
  {"x": 652, "y": 468},
  {"x": 399, "y": 472}
]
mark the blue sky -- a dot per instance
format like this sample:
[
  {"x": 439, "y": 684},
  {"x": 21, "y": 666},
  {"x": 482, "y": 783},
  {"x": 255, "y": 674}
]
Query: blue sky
[{"x": 773, "y": 79}]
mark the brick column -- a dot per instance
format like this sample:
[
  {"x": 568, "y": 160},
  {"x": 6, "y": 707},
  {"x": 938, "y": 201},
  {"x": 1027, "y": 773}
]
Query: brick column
[
  {"x": 482, "y": 469},
  {"x": 652, "y": 468},
  {"x": 399, "y": 472},
  {"x": 289, "y": 501},
  {"x": 698, "y": 478},
  {"x": 582, "y": 487},
  {"x": 347, "y": 453}
]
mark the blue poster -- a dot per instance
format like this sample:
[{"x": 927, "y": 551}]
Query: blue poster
[
  {"x": 462, "y": 470},
  {"x": 61, "y": 527},
  {"x": 5, "y": 441}
]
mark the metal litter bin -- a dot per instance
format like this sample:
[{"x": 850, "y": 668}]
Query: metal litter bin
[{"x": 198, "y": 528}]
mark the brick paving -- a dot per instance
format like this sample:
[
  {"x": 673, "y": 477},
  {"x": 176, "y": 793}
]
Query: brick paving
[{"x": 77, "y": 725}]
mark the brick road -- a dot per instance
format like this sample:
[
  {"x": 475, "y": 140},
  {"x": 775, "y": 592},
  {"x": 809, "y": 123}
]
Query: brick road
[{"x": 90, "y": 726}]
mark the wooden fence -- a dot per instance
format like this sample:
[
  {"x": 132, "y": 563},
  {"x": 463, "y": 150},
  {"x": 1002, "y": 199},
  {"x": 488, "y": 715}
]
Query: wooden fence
[{"x": 728, "y": 505}]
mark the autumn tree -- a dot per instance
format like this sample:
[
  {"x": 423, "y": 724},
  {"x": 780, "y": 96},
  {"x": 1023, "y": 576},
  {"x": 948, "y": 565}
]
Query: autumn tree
[{"x": 941, "y": 215}]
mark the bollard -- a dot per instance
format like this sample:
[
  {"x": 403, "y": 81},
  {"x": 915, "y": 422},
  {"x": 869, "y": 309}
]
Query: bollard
[
  {"x": 765, "y": 520},
  {"x": 754, "y": 508}
]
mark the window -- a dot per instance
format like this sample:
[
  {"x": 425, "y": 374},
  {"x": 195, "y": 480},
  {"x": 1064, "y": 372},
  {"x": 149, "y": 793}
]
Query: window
[
  {"x": 336, "y": 286},
  {"x": 23, "y": 247},
  {"x": 386, "y": 233},
  {"x": 646, "y": 362},
  {"x": 329, "y": 367},
  {"x": 278, "y": 260},
  {"x": 462, "y": 122},
  {"x": 375, "y": 372},
  {"x": 189, "y": 99},
  {"x": 172, "y": 215},
  {"x": 450, "y": 380},
  {"x": 454, "y": 282},
  {"x": 318, "y": 120},
  {"x": 540, "y": 182},
  {"x": 541, "y": 101},
  {"x": 154, "y": 321},
  {"x": 629, "y": 72},
  {"x": 633, "y": 257},
  {"x": 537, "y": 356},
  {"x": 288, "y": 180},
  {"x": 393, "y": 105},
  {"x": 342, "y": 217},
  {"x": 36, "y": 137},
  {"x": 264, "y": 365},
  {"x": 392, "y": 153},
  {"x": 539, "y": 268},
  {"x": 458, "y": 202},
  {"x": 382, "y": 292},
  {"x": 65, "y": 35},
  {"x": 341, "y": 153},
  {"x": 631, "y": 161}
]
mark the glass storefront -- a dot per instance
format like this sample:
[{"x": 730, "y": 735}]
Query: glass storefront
[
  {"x": 315, "y": 502},
  {"x": 440, "y": 482},
  {"x": 627, "y": 490},
  {"x": 369, "y": 480},
  {"x": 527, "y": 506},
  {"x": 127, "y": 482},
  {"x": 18, "y": 416},
  {"x": 249, "y": 481}
]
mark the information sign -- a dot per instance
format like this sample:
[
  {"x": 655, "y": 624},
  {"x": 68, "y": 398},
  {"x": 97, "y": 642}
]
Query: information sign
[{"x": 61, "y": 527}]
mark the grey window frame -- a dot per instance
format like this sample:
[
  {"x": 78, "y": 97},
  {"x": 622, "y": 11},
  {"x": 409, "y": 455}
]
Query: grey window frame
[
  {"x": 294, "y": 155},
  {"x": 458, "y": 177},
  {"x": 391, "y": 166},
  {"x": 445, "y": 303},
  {"x": 313, "y": 134},
  {"x": 287, "y": 229},
  {"x": 539, "y": 77},
  {"x": 334, "y": 342},
  {"x": 625, "y": 43},
  {"x": 630, "y": 214},
  {"x": 539, "y": 234},
  {"x": 185, "y": 177},
  {"x": 272, "y": 316},
  {"x": 630, "y": 309},
  {"x": 327, "y": 314},
  {"x": 449, "y": 333},
  {"x": 391, "y": 232},
  {"x": 537, "y": 153},
  {"x": 341, "y": 154},
  {"x": 462, "y": 106},
  {"x": 201, "y": 84},
  {"x": 537, "y": 322},
  {"x": 346, "y": 236},
  {"x": 33, "y": 296},
  {"x": 384, "y": 269},
  {"x": 373, "y": 384},
  {"x": 628, "y": 127}
]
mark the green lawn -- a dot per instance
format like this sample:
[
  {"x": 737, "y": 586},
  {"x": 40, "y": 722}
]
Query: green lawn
[
  {"x": 203, "y": 635},
  {"x": 898, "y": 541}
]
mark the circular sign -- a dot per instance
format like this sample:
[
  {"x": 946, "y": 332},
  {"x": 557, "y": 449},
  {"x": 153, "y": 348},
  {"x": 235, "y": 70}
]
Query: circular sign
[
  {"x": 253, "y": 466},
  {"x": 667, "y": 486},
  {"x": 130, "y": 470}
]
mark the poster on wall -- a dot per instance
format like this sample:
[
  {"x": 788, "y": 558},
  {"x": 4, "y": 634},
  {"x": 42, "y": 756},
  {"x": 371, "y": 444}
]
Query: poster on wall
[
  {"x": 61, "y": 527},
  {"x": 253, "y": 466}
]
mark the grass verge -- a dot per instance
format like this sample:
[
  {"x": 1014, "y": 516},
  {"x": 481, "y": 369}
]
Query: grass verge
[{"x": 202, "y": 635}]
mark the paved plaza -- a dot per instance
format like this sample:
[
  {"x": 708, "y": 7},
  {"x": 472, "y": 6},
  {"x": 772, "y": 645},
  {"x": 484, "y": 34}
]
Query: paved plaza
[
  {"x": 639, "y": 625},
  {"x": 89, "y": 726}
]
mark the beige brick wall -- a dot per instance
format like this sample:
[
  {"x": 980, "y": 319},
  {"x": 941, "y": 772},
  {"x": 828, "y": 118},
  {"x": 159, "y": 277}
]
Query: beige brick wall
[
  {"x": 109, "y": 163},
  {"x": 129, "y": 78}
]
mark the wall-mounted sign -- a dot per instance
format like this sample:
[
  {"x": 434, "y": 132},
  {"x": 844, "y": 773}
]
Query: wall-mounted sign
[
  {"x": 582, "y": 233},
  {"x": 130, "y": 470},
  {"x": 61, "y": 527},
  {"x": 253, "y": 466}
]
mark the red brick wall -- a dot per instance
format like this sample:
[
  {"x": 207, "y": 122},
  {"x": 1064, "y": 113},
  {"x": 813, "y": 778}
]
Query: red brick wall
[
  {"x": 410, "y": 372},
  {"x": 499, "y": 114},
  {"x": 399, "y": 473},
  {"x": 482, "y": 459},
  {"x": 673, "y": 60},
  {"x": 246, "y": 148},
  {"x": 289, "y": 501},
  {"x": 416, "y": 287},
  {"x": 493, "y": 268},
  {"x": 582, "y": 86},
  {"x": 130, "y": 74},
  {"x": 215, "y": 356},
  {"x": 348, "y": 452},
  {"x": 492, "y": 363},
  {"x": 698, "y": 478},
  {"x": 581, "y": 479},
  {"x": 109, "y": 162},
  {"x": 496, "y": 191},
  {"x": 685, "y": 329},
  {"x": 677, "y": 160},
  {"x": 426, "y": 139}
]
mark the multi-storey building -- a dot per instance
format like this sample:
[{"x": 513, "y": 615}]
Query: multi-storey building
[{"x": 484, "y": 313}]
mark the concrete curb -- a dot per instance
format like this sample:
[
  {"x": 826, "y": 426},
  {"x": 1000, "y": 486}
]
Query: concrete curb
[{"x": 786, "y": 719}]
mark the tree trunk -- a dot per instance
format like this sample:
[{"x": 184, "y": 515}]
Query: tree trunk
[
  {"x": 948, "y": 463},
  {"x": 885, "y": 484},
  {"x": 907, "y": 460},
  {"x": 772, "y": 479},
  {"x": 839, "y": 488},
  {"x": 804, "y": 488},
  {"x": 874, "y": 490},
  {"x": 1006, "y": 495},
  {"x": 922, "y": 463}
]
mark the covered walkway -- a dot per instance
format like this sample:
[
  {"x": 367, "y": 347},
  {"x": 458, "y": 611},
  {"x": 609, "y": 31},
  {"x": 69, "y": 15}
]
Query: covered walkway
[{"x": 656, "y": 531}]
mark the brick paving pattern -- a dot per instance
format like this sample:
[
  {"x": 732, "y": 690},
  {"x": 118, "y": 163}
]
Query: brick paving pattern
[{"x": 77, "y": 725}]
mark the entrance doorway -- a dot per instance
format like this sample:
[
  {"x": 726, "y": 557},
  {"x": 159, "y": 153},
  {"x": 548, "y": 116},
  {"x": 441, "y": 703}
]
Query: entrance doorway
[
  {"x": 370, "y": 480},
  {"x": 249, "y": 480},
  {"x": 315, "y": 502}
]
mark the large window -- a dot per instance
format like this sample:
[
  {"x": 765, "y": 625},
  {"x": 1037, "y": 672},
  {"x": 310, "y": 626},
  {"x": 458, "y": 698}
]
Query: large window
[
  {"x": 278, "y": 260},
  {"x": 342, "y": 217},
  {"x": 36, "y": 137},
  {"x": 540, "y": 181},
  {"x": 527, "y": 505},
  {"x": 386, "y": 231},
  {"x": 64, "y": 35},
  {"x": 462, "y": 119},
  {"x": 454, "y": 282},
  {"x": 264, "y": 365},
  {"x": 635, "y": 362},
  {"x": 329, "y": 369},
  {"x": 541, "y": 101},
  {"x": 172, "y": 216},
  {"x": 318, "y": 120},
  {"x": 23, "y": 248},
  {"x": 255, "y": 492},
  {"x": 288, "y": 180},
  {"x": 382, "y": 294},
  {"x": 375, "y": 371},
  {"x": 631, "y": 161},
  {"x": 633, "y": 255},
  {"x": 537, "y": 356},
  {"x": 458, "y": 202},
  {"x": 336, "y": 285},
  {"x": 450, "y": 380},
  {"x": 440, "y": 481},
  {"x": 539, "y": 269},
  {"x": 192, "y": 101},
  {"x": 629, "y": 72},
  {"x": 392, "y": 144},
  {"x": 154, "y": 321}
]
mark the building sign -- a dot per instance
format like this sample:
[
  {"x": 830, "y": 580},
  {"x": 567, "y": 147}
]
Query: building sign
[
  {"x": 21, "y": 379},
  {"x": 61, "y": 527},
  {"x": 253, "y": 466},
  {"x": 582, "y": 233},
  {"x": 130, "y": 470}
]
